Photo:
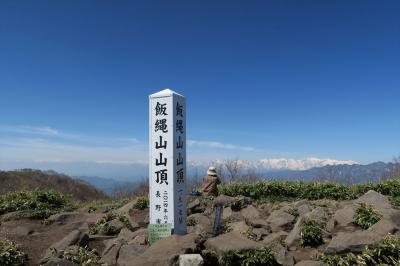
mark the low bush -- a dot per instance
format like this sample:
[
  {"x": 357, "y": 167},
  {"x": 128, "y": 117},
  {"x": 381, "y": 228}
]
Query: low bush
[
  {"x": 311, "y": 233},
  {"x": 10, "y": 254},
  {"x": 102, "y": 224},
  {"x": 251, "y": 257},
  {"x": 141, "y": 203},
  {"x": 80, "y": 256},
  {"x": 366, "y": 216},
  {"x": 42, "y": 202},
  {"x": 270, "y": 190},
  {"x": 386, "y": 252}
]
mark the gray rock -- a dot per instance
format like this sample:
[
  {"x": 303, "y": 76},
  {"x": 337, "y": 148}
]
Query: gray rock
[
  {"x": 17, "y": 215},
  {"x": 240, "y": 227},
  {"x": 113, "y": 225},
  {"x": 345, "y": 216},
  {"x": 167, "y": 250},
  {"x": 250, "y": 212},
  {"x": 308, "y": 263},
  {"x": 59, "y": 262},
  {"x": 260, "y": 223},
  {"x": 280, "y": 219},
  {"x": 383, "y": 227},
  {"x": 223, "y": 200},
  {"x": 62, "y": 218},
  {"x": 195, "y": 206},
  {"x": 129, "y": 253},
  {"x": 380, "y": 202},
  {"x": 351, "y": 242},
  {"x": 282, "y": 255},
  {"x": 318, "y": 213},
  {"x": 204, "y": 224},
  {"x": 190, "y": 260},
  {"x": 277, "y": 237},
  {"x": 293, "y": 239},
  {"x": 139, "y": 240},
  {"x": 75, "y": 237},
  {"x": 303, "y": 209},
  {"x": 124, "y": 210},
  {"x": 111, "y": 251},
  {"x": 126, "y": 234},
  {"x": 230, "y": 241},
  {"x": 22, "y": 231}
]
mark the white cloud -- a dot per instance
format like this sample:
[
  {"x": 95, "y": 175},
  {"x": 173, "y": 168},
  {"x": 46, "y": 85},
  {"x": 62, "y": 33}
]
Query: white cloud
[
  {"x": 30, "y": 130},
  {"x": 216, "y": 144}
]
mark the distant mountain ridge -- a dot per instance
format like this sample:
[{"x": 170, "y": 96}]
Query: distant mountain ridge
[
  {"x": 11, "y": 181},
  {"x": 355, "y": 173}
]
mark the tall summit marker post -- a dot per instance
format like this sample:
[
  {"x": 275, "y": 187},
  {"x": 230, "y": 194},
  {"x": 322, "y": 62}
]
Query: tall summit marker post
[{"x": 167, "y": 165}]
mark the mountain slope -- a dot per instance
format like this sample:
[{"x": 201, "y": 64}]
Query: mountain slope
[{"x": 30, "y": 179}]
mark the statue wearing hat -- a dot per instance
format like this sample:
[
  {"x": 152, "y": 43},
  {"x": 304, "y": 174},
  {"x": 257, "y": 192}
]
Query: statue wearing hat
[{"x": 210, "y": 182}]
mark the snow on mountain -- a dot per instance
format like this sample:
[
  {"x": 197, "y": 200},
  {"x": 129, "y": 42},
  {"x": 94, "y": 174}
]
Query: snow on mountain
[
  {"x": 277, "y": 163},
  {"x": 304, "y": 164}
]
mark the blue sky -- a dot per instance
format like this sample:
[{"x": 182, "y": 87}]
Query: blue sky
[{"x": 263, "y": 79}]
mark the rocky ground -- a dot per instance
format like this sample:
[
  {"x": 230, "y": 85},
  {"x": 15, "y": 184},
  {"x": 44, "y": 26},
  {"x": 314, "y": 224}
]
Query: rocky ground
[{"x": 245, "y": 225}]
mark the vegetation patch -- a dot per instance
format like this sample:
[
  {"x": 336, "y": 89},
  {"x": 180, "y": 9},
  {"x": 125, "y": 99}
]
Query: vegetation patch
[
  {"x": 270, "y": 190},
  {"x": 42, "y": 202},
  {"x": 103, "y": 225},
  {"x": 80, "y": 256},
  {"x": 386, "y": 252},
  {"x": 10, "y": 254},
  {"x": 108, "y": 205},
  {"x": 141, "y": 203},
  {"x": 366, "y": 216},
  {"x": 311, "y": 233},
  {"x": 251, "y": 257}
]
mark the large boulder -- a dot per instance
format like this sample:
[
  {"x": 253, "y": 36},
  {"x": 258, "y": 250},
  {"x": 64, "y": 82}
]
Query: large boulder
[
  {"x": 75, "y": 237},
  {"x": 293, "y": 239},
  {"x": 239, "y": 227},
  {"x": 230, "y": 241},
  {"x": 250, "y": 212},
  {"x": 344, "y": 217},
  {"x": 167, "y": 250},
  {"x": 281, "y": 220},
  {"x": 203, "y": 224},
  {"x": 111, "y": 251},
  {"x": 351, "y": 242},
  {"x": 384, "y": 227},
  {"x": 379, "y": 202},
  {"x": 128, "y": 253}
]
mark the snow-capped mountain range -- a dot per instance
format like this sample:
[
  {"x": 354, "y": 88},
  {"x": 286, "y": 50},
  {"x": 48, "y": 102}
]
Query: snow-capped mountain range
[{"x": 278, "y": 164}]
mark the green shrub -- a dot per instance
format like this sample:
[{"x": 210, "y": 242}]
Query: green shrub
[
  {"x": 141, "y": 203},
  {"x": 80, "y": 256},
  {"x": 366, "y": 216},
  {"x": 386, "y": 252},
  {"x": 311, "y": 233},
  {"x": 102, "y": 224},
  {"x": 251, "y": 257},
  {"x": 10, "y": 255},
  {"x": 271, "y": 190},
  {"x": 42, "y": 202}
]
